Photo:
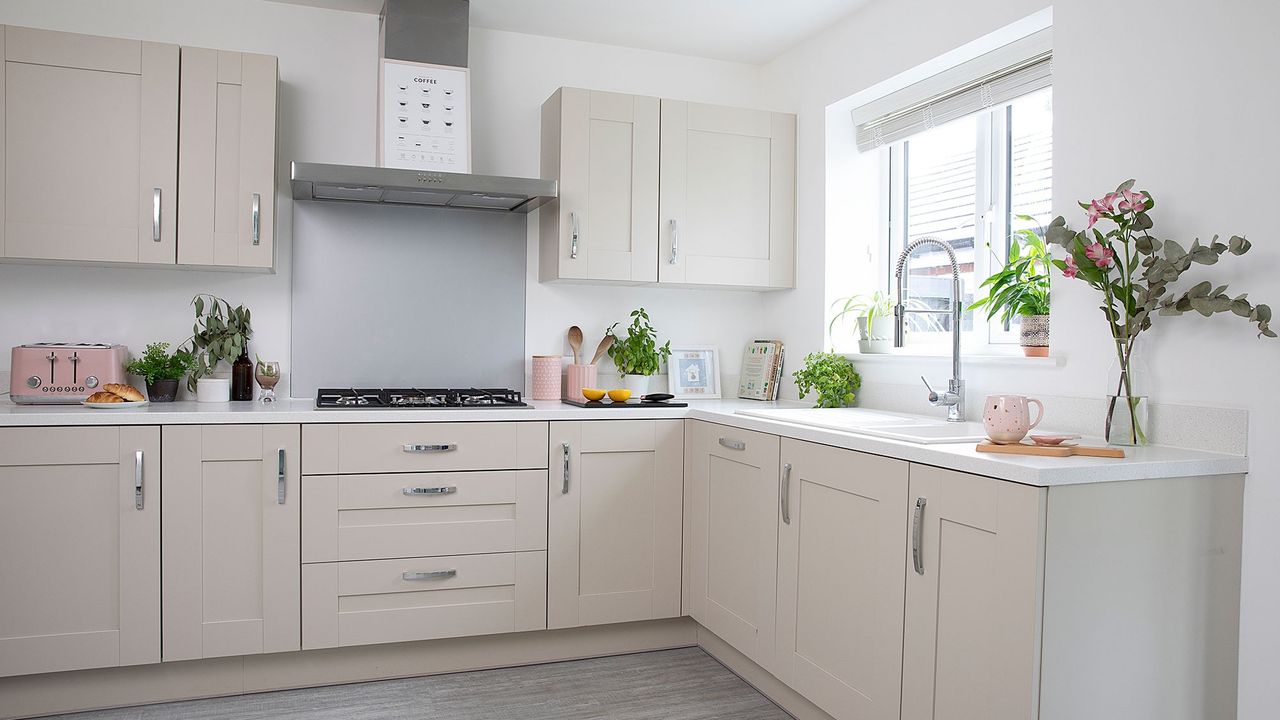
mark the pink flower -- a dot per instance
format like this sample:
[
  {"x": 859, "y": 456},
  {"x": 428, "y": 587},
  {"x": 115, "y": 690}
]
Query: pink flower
[
  {"x": 1094, "y": 214},
  {"x": 1101, "y": 255},
  {"x": 1104, "y": 205},
  {"x": 1071, "y": 269},
  {"x": 1133, "y": 201}
]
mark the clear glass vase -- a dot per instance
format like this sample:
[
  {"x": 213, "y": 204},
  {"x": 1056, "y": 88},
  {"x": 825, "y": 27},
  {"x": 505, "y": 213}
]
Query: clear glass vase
[{"x": 1128, "y": 406}]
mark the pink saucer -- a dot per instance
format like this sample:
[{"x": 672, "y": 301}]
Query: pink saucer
[{"x": 1052, "y": 440}]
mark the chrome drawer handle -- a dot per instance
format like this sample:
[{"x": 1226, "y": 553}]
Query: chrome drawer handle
[
  {"x": 255, "y": 230},
  {"x": 785, "y": 490},
  {"x": 917, "y": 536},
  {"x": 564, "y": 482},
  {"x": 443, "y": 447},
  {"x": 446, "y": 490},
  {"x": 155, "y": 215},
  {"x": 733, "y": 444},
  {"x": 675, "y": 242},
  {"x": 280, "y": 478},
  {"x": 573, "y": 236},
  {"x": 137, "y": 481},
  {"x": 433, "y": 575}
]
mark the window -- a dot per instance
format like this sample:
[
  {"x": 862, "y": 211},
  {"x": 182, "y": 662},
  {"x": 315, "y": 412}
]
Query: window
[{"x": 970, "y": 183}]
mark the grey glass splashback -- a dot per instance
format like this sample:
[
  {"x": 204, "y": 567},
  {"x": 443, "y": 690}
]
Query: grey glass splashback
[{"x": 405, "y": 296}]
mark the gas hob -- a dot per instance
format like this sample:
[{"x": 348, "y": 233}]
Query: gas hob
[{"x": 417, "y": 398}]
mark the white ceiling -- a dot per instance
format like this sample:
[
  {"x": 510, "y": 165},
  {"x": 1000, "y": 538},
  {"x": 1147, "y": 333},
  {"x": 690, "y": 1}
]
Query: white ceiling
[{"x": 751, "y": 31}]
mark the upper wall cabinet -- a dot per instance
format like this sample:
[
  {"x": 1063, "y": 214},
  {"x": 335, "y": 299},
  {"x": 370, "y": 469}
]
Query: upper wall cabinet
[
  {"x": 227, "y": 159},
  {"x": 90, "y": 128},
  {"x": 94, "y": 152},
  {"x": 667, "y": 191}
]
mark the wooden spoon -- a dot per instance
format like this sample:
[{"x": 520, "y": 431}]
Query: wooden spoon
[
  {"x": 605, "y": 343},
  {"x": 575, "y": 342}
]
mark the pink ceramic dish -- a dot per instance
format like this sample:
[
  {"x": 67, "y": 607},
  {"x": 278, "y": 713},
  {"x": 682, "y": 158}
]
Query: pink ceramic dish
[{"x": 1051, "y": 440}]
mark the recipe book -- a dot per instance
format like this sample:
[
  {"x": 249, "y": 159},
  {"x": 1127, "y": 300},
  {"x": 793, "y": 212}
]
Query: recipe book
[{"x": 761, "y": 370}]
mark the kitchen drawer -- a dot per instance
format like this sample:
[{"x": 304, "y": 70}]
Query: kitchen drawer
[
  {"x": 59, "y": 446},
  {"x": 423, "y": 447},
  {"x": 370, "y": 517},
  {"x": 377, "y": 601}
]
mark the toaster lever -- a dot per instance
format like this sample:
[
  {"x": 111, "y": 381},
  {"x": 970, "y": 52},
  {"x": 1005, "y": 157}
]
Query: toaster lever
[
  {"x": 75, "y": 374},
  {"x": 52, "y": 359}
]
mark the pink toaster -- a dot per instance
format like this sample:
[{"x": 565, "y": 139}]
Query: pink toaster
[{"x": 64, "y": 372}]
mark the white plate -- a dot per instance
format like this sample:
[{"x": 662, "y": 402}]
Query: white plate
[{"x": 115, "y": 406}]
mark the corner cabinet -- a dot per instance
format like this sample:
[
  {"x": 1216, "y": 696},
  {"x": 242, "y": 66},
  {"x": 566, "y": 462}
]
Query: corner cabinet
[
  {"x": 614, "y": 505},
  {"x": 80, "y": 522},
  {"x": 231, "y": 533},
  {"x": 667, "y": 191}
]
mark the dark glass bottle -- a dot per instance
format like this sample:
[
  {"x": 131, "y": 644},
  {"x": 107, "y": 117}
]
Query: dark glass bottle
[{"x": 242, "y": 378}]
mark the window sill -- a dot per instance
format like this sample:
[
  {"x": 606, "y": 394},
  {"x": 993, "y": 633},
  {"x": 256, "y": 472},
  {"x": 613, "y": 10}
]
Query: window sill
[{"x": 1022, "y": 361}]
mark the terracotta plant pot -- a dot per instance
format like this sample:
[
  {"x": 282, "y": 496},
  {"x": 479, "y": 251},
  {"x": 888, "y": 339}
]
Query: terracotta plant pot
[
  {"x": 162, "y": 391},
  {"x": 1033, "y": 335}
]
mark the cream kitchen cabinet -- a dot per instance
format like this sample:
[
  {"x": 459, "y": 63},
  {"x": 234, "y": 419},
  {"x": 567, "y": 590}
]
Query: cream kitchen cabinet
[
  {"x": 231, "y": 540},
  {"x": 726, "y": 205},
  {"x": 80, "y": 522},
  {"x": 90, "y": 143},
  {"x": 614, "y": 503},
  {"x": 227, "y": 159},
  {"x": 732, "y": 504},
  {"x": 667, "y": 191},
  {"x": 603, "y": 149},
  {"x": 840, "y": 579}
]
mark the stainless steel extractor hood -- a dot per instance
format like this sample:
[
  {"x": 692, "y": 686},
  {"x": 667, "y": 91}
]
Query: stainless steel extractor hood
[{"x": 355, "y": 183}]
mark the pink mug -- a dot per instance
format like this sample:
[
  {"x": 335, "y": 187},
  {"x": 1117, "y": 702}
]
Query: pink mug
[{"x": 1007, "y": 418}]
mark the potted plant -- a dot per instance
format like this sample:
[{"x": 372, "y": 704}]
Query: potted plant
[
  {"x": 160, "y": 370},
  {"x": 875, "y": 320},
  {"x": 638, "y": 355},
  {"x": 1021, "y": 289},
  {"x": 221, "y": 332},
  {"x": 832, "y": 376}
]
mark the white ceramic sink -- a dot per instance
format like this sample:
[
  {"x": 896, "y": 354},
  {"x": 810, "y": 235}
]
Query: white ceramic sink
[{"x": 894, "y": 426}]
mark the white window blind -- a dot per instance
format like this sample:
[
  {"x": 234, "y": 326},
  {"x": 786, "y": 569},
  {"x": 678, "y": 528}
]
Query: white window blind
[{"x": 997, "y": 77}]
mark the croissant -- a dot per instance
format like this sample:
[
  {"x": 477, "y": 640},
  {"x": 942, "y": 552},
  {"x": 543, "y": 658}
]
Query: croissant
[
  {"x": 102, "y": 396},
  {"x": 127, "y": 392}
]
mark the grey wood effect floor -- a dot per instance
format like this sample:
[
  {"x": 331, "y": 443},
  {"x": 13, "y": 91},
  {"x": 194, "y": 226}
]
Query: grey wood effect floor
[{"x": 685, "y": 684}]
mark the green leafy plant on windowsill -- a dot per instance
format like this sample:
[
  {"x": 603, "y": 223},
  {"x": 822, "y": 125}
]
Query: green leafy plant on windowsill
[
  {"x": 1021, "y": 287},
  {"x": 638, "y": 353},
  {"x": 874, "y": 313},
  {"x": 832, "y": 376}
]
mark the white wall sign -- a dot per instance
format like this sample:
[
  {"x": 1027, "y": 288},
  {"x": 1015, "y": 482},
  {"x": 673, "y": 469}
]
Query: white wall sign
[{"x": 425, "y": 117}]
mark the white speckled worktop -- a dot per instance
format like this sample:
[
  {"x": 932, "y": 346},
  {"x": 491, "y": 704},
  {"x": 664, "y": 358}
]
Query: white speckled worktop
[{"x": 1141, "y": 463}]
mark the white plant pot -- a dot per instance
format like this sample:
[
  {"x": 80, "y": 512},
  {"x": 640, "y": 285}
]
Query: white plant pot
[
  {"x": 876, "y": 339},
  {"x": 213, "y": 389},
  {"x": 637, "y": 384}
]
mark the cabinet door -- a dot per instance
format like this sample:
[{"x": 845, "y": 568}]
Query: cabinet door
[
  {"x": 614, "y": 505},
  {"x": 90, "y": 148},
  {"x": 231, "y": 540},
  {"x": 227, "y": 169},
  {"x": 727, "y": 198},
  {"x": 603, "y": 149},
  {"x": 971, "y": 649},
  {"x": 840, "y": 579},
  {"x": 731, "y": 535},
  {"x": 80, "y": 522}
]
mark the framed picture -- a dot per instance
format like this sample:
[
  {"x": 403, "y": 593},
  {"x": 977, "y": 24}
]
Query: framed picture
[
  {"x": 694, "y": 372},
  {"x": 424, "y": 114}
]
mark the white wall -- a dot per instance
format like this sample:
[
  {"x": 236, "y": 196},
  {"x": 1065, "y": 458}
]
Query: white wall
[
  {"x": 328, "y": 72},
  {"x": 1179, "y": 94}
]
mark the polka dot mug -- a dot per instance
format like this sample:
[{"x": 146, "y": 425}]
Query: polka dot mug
[{"x": 1007, "y": 418}]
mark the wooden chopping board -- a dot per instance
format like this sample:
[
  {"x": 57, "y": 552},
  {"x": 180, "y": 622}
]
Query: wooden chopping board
[{"x": 1051, "y": 450}]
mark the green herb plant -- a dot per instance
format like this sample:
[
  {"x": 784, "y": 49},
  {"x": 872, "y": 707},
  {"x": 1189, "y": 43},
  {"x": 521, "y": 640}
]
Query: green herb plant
[
  {"x": 638, "y": 353},
  {"x": 1021, "y": 287},
  {"x": 157, "y": 364},
  {"x": 831, "y": 375},
  {"x": 220, "y": 332},
  {"x": 876, "y": 305}
]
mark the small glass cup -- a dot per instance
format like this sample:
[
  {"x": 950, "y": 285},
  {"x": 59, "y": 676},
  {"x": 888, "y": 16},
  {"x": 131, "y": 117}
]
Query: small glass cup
[{"x": 267, "y": 374}]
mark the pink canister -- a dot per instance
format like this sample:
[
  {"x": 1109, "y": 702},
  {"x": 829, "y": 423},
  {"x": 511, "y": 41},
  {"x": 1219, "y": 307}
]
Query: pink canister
[
  {"x": 546, "y": 377},
  {"x": 577, "y": 377}
]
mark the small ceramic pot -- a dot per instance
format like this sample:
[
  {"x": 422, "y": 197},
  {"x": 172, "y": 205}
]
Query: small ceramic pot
[
  {"x": 213, "y": 389},
  {"x": 577, "y": 377},
  {"x": 546, "y": 377},
  {"x": 637, "y": 384},
  {"x": 878, "y": 337},
  {"x": 162, "y": 391},
  {"x": 1033, "y": 335}
]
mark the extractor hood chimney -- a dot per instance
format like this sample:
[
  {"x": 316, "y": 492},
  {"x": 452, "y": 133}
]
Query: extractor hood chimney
[{"x": 426, "y": 31}]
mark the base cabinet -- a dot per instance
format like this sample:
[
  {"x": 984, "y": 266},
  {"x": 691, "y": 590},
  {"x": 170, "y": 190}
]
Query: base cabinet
[
  {"x": 731, "y": 536},
  {"x": 840, "y": 579},
  {"x": 80, "y": 522},
  {"x": 614, "y": 504},
  {"x": 231, "y": 535}
]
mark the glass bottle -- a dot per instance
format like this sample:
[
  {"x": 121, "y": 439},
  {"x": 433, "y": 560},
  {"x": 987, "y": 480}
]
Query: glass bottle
[{"x": 242, "y": 377}]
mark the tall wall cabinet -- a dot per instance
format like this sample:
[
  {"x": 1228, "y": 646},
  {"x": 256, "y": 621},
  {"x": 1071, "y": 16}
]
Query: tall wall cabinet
[
  {"x": 667, "y": 191},
  {"x": 167, "y": 153}
]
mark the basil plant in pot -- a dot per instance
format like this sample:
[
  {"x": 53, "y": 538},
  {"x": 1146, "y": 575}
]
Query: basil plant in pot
[
  {"x": 874, "y": 313},
  {"x": 161, "y": 370},
  {"x": 220, "y": 333},
  {"x": 1021, "y": 289},
  {"x": 832, "y": 376},
  {"x": 638, "y": 355}
]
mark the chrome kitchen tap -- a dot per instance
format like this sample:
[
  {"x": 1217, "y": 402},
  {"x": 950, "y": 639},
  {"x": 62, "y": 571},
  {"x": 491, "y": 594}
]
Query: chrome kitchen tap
[{"x": 953, "y": 398}]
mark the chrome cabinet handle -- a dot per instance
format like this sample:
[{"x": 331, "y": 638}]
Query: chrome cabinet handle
[
  {"x": 675, "y": 242},
  {"x": 280, "y": 477},
  {"x": 255, "y": 230},
  {"x": 433, "y": 575},
  {"x": 444, "y": 490},
  {"x": 438, "y": 448},
  {"x": 917, "y": 534},
  {"x": 155, "y": 215},
  {"x": 564, "y": 482},
  {"x": 733, "y": 444},
  {"x": 573, "y": 236},
  {"x": 785, "y": 493},
  {"x": 137, "y": 481}
]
